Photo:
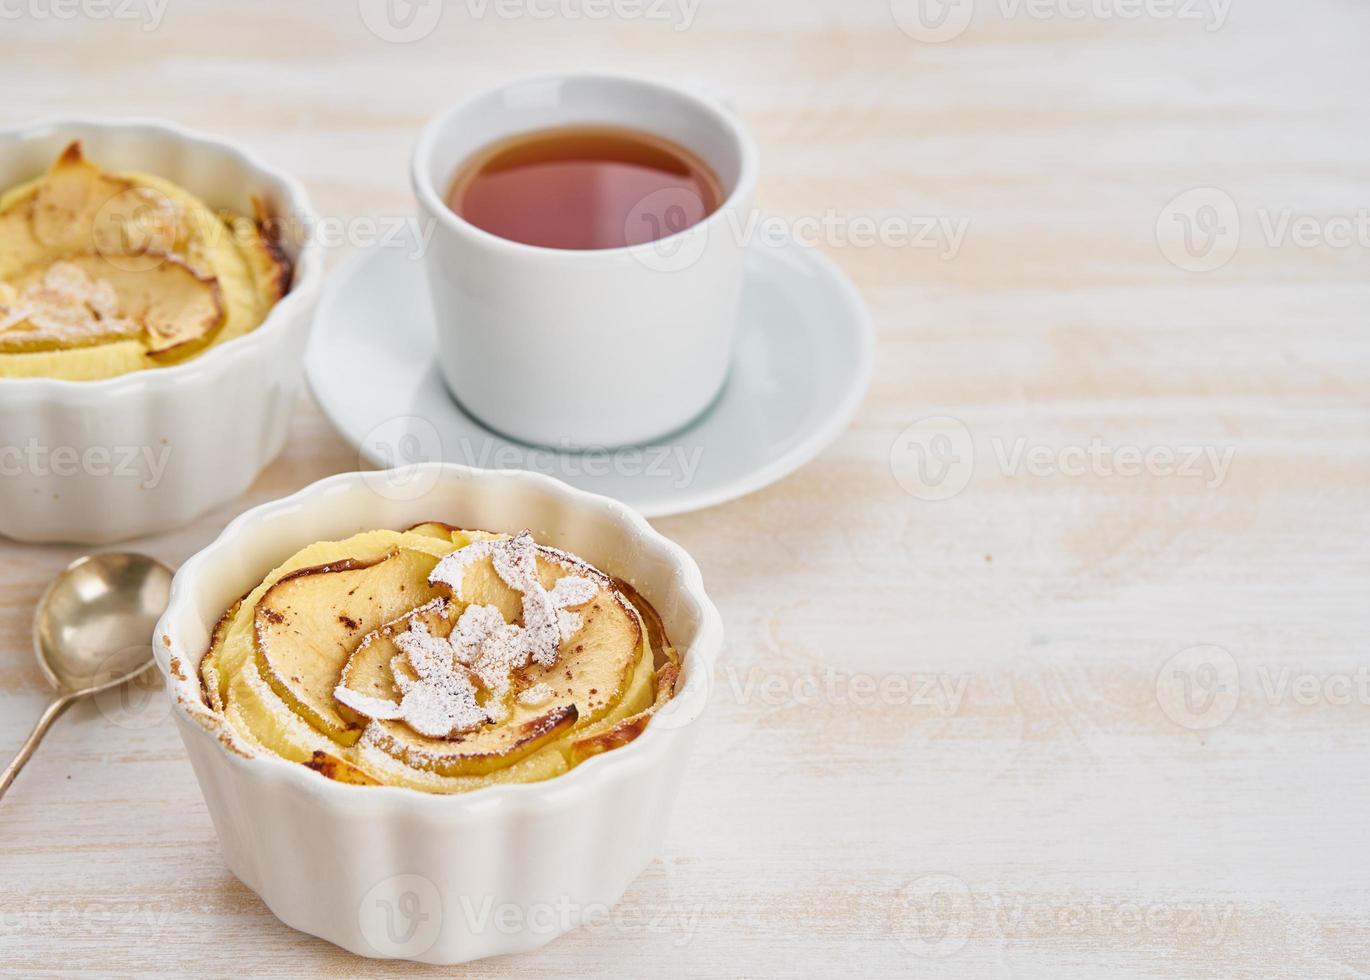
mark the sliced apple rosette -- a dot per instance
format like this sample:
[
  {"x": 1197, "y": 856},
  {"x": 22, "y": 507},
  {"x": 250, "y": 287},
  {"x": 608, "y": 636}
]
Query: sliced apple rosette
[
  {"x": 438, "y": 658},
  {"x": 103, "y": 273}
]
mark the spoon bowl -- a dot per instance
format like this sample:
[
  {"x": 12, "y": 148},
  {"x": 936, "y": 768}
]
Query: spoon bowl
[
  {"x": 94, "y": 623},
  {"x": 93, "y": 631}
]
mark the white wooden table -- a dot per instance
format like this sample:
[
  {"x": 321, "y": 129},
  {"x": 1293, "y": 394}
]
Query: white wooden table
[{"x": 1069, "y": 683}]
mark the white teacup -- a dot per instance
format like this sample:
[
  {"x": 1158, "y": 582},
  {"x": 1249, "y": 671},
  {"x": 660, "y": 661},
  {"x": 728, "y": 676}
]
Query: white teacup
[{"x": 585, "y": 348}]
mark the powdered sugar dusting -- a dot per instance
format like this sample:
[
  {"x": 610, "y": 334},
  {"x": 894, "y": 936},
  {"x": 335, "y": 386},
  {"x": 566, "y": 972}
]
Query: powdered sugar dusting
[
  {"x": 482, "y": 650},
  {"x": 439, "y": 703},
  {"x": 65, "y": 307},
  {"x": 545, "y": 620},
  {"x": 537, "y": 694}
]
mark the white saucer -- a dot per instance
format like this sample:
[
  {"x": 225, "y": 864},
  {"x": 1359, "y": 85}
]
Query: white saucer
[{"x": 803, "y": 362}]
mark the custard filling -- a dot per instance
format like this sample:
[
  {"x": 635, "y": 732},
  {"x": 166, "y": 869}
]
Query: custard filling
[
  {"x": 106, "y": 273},
  {"x": 437, "y": 658}
]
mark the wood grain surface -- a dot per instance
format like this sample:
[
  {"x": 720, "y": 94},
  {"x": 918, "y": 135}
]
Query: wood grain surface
[{"x": 1055, "y": 665}]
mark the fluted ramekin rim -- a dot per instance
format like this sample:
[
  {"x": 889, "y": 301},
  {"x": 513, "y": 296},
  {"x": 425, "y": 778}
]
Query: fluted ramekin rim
[{"x": 599, "y": 773}]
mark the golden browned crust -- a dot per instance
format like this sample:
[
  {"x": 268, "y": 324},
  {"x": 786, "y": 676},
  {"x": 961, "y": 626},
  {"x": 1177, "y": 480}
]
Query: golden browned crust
[
  {"x": 341, "y": 565},
  {"x": 209, "y": 691},
  {"x": 270, "y": 228},
  {"x": 449, "y": 528},
  {"x": 620, "y": 735},
  {"x": 339, "y": 769},
  {"x": 533, "y": 734},
  {"x": 72, "y": 154},
  {"x": 667, "y": 676},
  {"x": 656, "y": 629}
]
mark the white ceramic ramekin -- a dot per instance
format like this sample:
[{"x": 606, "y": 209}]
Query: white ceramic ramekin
[
  {"x": 100, "y": 461},
  {"x": 394, "y": 872}
]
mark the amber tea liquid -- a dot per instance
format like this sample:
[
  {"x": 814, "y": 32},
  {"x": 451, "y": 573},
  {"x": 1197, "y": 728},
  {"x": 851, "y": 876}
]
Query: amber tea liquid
[{"x": 584, "y": 187}]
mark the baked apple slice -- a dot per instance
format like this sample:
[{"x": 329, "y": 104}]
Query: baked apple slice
[
  {"x": 307, "y": 625},
  {"x": 80, "y": 208},
  {"x": 340, "y": 770},
  {"x": 83, "y": 299},
  {"x": 435, "y": 703}
]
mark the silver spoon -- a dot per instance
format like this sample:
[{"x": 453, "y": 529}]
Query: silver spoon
[{"x": 93, "y": 631}]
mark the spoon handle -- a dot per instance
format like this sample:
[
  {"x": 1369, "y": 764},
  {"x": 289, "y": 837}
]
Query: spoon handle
[{"x": 50, "y": 714}]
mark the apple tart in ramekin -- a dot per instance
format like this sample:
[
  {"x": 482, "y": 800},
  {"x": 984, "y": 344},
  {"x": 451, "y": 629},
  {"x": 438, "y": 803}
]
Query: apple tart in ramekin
[
  {"x": 388, "y": 711},
  {"x": 438, "y": 658},
  {"x": 156, "y": 294}
]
